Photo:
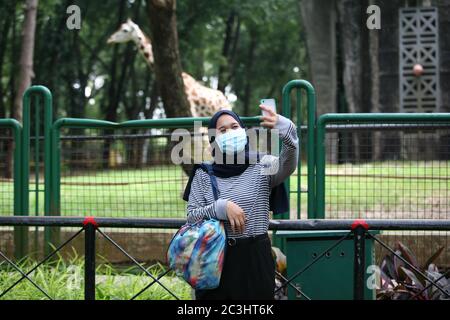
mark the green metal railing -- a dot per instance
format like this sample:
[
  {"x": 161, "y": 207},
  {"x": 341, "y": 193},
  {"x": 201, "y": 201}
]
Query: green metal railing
[
  {"x": 355, "y": 119},
  {"x": 39, "y": 93},
  {"x": 20, "y": 233},
  {"x": 40, "y": 98},
  {"x": 100, "y": 124},
  {"x": 52, "y": 235},
  {"x": 311, "y": 120}
]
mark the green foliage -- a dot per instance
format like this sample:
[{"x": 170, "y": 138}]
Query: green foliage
[
  {"x": 400, "y": 281},
  {"x": 119, "y": 81},
  {"x": 63, "y": 280}
]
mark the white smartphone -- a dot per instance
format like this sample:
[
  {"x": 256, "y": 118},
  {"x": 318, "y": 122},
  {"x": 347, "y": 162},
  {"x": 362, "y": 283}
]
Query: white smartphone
[{"x": 269, "y": 103}]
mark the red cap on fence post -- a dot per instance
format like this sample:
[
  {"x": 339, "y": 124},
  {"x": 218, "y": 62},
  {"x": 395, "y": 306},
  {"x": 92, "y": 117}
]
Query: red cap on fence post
[
  {"x": 360, "y": 223},
  {"x": 90, "y": 220}
]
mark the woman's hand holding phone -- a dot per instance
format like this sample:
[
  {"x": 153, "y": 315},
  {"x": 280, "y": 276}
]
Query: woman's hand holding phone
[{"x": 269, "y": 118}]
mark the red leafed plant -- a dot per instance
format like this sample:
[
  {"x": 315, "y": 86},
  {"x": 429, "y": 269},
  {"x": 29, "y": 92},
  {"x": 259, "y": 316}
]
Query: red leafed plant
[{"x": 399, "y": 281}]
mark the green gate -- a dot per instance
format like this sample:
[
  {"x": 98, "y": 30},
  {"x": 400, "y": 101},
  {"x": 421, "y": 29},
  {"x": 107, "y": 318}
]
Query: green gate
[{"x": 20, "y": 233}]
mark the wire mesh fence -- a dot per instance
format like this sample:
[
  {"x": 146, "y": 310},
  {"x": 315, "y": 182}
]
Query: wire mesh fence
[
  {"x": 6, "y": 172},
  {"x": 395, "y": 171},
  {"x": 126, "y": 173},
  {"x": 109, "y": 175},
  {"x": 6, "y": 184}
]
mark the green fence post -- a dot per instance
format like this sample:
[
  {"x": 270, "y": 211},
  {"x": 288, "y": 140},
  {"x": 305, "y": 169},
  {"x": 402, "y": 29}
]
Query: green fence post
[
  {"x": 311, "y": 116},
  {"x": 20, "y": 233},
  {"x": 48, "y": 114},
  {"x": 299, "y": 163},
  {"x": 320, "y": 167}
]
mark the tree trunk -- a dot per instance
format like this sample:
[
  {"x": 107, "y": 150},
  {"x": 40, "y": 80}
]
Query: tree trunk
[
  {"x": 26, "y": 56},
  {"x": 164, "y": 37},
  {"x": 248, "y": 73},
  {"x": 318, "y": 18},
  {"x": 110, "y": 104},
  {"x": 229, "y": 50},
  {"x": 3, "y": 46},
  {"x": 163, "y": 27},
  {"x": 349, "y": 12},
  {"x": 375, "y": 89},
  {"x": 25, "y": 70}
]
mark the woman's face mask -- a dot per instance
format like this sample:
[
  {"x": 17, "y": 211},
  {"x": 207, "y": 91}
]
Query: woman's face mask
[{"x": 233, "y": 141}]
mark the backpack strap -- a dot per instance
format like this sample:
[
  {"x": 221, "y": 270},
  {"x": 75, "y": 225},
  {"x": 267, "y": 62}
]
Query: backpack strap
[{"x": 213, "y": 179}]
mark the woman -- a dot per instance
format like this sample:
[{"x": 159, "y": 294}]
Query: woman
[{"x": 244, "y": 201}]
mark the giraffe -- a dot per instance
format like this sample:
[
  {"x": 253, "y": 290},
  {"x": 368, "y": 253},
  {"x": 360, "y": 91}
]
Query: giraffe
[{"x": 203, "y": 101}]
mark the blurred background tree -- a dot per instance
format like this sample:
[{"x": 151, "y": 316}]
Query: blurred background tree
[{"x": 247, "y": 49}]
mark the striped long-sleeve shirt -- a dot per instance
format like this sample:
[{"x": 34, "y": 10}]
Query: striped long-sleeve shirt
[{"x": 250, "y": 190}]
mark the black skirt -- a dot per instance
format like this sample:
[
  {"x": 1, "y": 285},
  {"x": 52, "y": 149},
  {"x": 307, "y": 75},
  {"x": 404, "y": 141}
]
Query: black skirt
[{"x": 248, "y": 272}]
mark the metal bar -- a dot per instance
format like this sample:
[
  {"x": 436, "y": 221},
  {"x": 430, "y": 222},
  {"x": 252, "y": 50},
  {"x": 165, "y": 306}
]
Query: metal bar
[
  {"x": 40, "y": 91},
  {"x": 89, "y": 262},
  {"x": 311, "y": 115},
  {"x": 352, "y": 118},
  {"x": 20, "y": 234},
  {"x": 24, "y": 275},
  {"x": 150, "y": 284},
  {"x": 43, "y": 261},
  {"x": 291, "y": 285},
  {"x": 320, "y": 168},
  {"x": 167, "y": 223},
  {"x": 179, "y": 122},
  {"x": 299, "y": 162},
  {"x": 359, "y": 263},
  {"x": 314, "y": 261},
  {"x": 115, "y": 244},
  {"x": 387, "y": 127},
  {"x": 144, "y": 124},
  {"x": 430, "y": 285},
  {"x": 302, "y": 128},
  {"x": 36, "y": 166},
  {"x": 407, "y": 263},
  {"x": 52, "y": 235}
]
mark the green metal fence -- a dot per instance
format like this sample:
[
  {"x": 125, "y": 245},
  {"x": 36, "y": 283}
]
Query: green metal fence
[
  {"x": 287, "y": 111},
  {"x": 11, "y": 182},
  {"x": 386, "y": 166},
  {"x": 36, "y": 153},
  {"x": 93, "y": 167},
  {"x": 72, "y": 176},
  {"x": 86, "y": 182}
]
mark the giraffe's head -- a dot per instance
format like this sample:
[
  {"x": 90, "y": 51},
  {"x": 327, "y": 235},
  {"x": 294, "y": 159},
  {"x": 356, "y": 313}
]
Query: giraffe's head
[{"x": 128, "y": 31}]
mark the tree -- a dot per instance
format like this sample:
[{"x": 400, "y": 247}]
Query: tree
[
  {"x": 26, "y": 73},
  {"x": 163, "y": 26},
  {"x": 26, "y": 56},
  {"x": 233, "y": 26}
]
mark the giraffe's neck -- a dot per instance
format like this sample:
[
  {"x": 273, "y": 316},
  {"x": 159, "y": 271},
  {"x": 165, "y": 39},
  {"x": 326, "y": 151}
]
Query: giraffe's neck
[{"x": 144, "y": 46}]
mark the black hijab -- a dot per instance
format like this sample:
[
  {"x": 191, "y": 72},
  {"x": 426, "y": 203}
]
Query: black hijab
[{"x": 278, "y": 199}]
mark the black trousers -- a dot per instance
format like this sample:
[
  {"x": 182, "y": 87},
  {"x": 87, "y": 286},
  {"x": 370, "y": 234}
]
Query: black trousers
[{"x": 248, "y": 272}]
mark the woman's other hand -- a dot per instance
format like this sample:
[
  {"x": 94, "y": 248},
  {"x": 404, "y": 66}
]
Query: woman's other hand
[
  {"x": 270, "y": 119},
  {"x": 236, "y": 216}
]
